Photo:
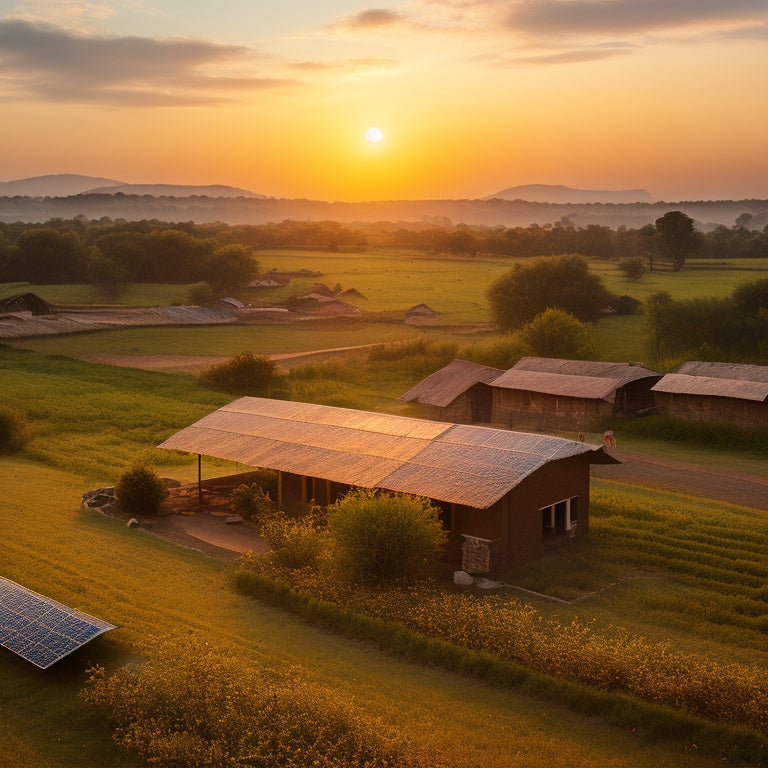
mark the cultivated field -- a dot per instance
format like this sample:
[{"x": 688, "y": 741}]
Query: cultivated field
[{"x": 670, "y": 568}]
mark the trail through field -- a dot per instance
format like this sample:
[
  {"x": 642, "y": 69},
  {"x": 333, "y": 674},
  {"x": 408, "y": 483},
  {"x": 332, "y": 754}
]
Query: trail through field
[{"x": 197, "y": 363}]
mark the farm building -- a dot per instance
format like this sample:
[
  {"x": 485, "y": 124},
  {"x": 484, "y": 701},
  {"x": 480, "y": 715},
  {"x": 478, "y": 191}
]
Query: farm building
[
  {"x": 459, "y": 392},
  {"x": 548, "y": 393},
  {"x": 504, "y": 496},
  {"x": 715, "y": 392}
]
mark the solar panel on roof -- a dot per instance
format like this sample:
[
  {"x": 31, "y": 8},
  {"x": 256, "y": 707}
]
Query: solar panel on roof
[{"x": 41, "y": 630}]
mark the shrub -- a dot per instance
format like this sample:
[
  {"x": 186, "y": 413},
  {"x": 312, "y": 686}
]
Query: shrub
[
  {"x": 192, "y": 707},
  {"x": 632, "y": 267},
  {"x": 555, "y": 333},
  {"x": 296, "y": 542},
  {"x": 251, "y": 501},
  {"x": 14, "y": 432},
  {"x": 140, "y": 491},
  {"x": 383, "y": 536},
  {"x": 201, "y": 295},
  {"x": 244, "y": 374}
]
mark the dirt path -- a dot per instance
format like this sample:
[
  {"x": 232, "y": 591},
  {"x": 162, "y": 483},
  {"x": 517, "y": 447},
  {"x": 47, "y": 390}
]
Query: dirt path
[
  {"x": 197, "y": 363},
  {"x": 709, "y": 482}
]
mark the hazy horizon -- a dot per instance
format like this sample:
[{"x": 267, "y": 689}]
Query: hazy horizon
[{"x": 426, "y": 99}]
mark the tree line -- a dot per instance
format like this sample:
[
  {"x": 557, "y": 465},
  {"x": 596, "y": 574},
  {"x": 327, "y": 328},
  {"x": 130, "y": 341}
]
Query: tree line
[{"x": 110, "y": 253}]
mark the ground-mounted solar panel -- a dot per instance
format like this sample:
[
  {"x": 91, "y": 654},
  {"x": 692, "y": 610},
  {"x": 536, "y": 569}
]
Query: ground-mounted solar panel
[{"x": 41, "y": 630}]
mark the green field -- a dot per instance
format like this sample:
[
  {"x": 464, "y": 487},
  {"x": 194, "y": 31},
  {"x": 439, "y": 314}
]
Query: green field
[
  {"x": 664, "y": 568},
  {"x": 89, "y": 421}
]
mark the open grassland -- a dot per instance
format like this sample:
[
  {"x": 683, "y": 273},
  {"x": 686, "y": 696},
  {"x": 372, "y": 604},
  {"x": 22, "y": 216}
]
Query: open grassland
[
  {"x": 151, "y": 588},
  {"x": 701, "y": 592}
]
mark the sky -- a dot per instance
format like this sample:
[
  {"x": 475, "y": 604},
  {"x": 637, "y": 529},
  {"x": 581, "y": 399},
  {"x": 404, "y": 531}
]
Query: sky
[{"x": 469, "y": 96}]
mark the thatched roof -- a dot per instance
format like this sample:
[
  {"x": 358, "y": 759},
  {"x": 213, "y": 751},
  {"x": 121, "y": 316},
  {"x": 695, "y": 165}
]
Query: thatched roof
[
  {"x": 588, "y": 387},
  {"x": 725, "y": 370},
  {"x": 442, "y": 387},
  {"x": 26, "y": 302},
  {"x": 420, "y": 310},
  {"x": 455, "y": 463},
  {"x": 742, "y": 382},
  {"x": 572, "y": 378},
  {"x": 621, "y": 373}
]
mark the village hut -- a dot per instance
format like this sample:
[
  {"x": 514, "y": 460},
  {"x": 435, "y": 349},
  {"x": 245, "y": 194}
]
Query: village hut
[
  {"x": 420, "y": 313},
  {"x": 505, "y": 496},
  {"x": 26, "y": 302},
  {"x": 726, "y": 392},
  {"x": 460, "y": 392},
  {"x": 548, "y": 393},
  {"x": 270, "y": 280}
]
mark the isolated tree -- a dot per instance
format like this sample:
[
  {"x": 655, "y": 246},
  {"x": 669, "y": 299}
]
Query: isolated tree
[
  {"x": 382, "y": 536},
  {"x": 556, "y": 333},
  {"x": 677, "y": 238},
  {"x": 227, "y": 268},
  {"x": 565, "y": 282}
]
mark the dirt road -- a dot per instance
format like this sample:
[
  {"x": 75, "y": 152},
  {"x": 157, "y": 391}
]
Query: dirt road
[{"x": 709, "y": 482}]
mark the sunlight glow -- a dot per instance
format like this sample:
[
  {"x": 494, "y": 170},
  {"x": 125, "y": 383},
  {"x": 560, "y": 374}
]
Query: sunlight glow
[{"x": 374, "y": 134}]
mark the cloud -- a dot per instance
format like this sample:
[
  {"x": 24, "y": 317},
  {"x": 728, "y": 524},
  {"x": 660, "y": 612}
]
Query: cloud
[
  {"x": 578, "y": 56},
  {"x": 344, "y": 65},
  {"x": 557, "y": 17},
  {"x": 374, "y": 19},
  {"x": 43, "y": 61}
]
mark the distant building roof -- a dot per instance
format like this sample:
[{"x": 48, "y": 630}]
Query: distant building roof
[
  {"x": 742, "y": 382},
  {"x": 420, "y": 310},
  {"x": 455, "y": 463},
  {"x": 444, "y": 386},
  {"x": 572, "y": 378}
]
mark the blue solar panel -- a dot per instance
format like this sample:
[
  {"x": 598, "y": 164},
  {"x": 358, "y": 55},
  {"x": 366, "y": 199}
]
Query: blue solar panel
[{"x": 41, "y": 630}]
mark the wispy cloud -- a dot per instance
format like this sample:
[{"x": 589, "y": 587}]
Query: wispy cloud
[
  {"x": 344, "y": 66},
  {"x": 373, "y": 19},
  {"x": 43, "y": 61},
  {"x": 626, "y": 16}
]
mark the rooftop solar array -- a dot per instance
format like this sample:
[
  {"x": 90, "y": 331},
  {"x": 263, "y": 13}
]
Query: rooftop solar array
[{"x": 41, "y": 630}]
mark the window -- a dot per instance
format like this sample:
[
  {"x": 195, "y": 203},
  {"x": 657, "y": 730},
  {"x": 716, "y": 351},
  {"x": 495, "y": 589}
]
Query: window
[{"x": 560, "y": 517}]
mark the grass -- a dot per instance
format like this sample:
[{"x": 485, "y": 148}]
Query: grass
[{"x": 147, "y": 586}]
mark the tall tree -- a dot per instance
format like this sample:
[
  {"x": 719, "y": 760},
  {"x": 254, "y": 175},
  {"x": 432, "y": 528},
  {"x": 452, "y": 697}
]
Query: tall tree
[
  {"x": 565, "y": 282},
  {"x": 678, "y": 240}
]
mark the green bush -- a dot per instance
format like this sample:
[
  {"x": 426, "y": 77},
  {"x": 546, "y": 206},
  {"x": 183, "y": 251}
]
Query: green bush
[
  {"x": 192, "y": 707},
  {"x": 14, "y": 431},
  {"x": 556, "y": 333},
  {"x": 251, "y": 501},
  {"x": 201, "y": 295},
  {"x": 244, "y": 374},
  {"x": 296, "y": 542},
  {"x": 140, "y": 491},
  {"x": 382, "y": 536},
  {"x": 632, "y": 267}
]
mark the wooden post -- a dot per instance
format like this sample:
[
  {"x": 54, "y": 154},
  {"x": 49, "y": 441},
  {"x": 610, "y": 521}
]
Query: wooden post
[{"x": 200, "y": 478}]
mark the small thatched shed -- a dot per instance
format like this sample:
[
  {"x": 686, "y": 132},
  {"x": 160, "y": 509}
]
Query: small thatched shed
[
  {"x": 26, "y": 302},
  {"x": 504, "y": 495},
  {"x": 459, "y": 392},
  {"x": 715, "y": 392},
  {"x": 548, "y": 393}
]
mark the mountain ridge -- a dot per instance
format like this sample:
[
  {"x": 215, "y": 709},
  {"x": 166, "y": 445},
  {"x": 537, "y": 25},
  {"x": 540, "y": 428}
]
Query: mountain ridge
[{"x": 559, "y": 193}]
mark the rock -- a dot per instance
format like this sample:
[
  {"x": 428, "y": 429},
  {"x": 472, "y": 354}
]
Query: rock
[
  {"x": 234, "y": 520},
  {"x": 99, "y": 497},
  {"x": 463, "y": 579},
  {"x": 133, "y": 523}
]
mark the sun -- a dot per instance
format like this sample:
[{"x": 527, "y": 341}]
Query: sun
[{"x": 373, "y": 135}]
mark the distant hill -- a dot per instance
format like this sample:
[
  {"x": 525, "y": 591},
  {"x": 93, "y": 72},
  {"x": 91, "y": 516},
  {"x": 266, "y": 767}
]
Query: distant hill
[
  {"x": 557, "y": 193},
  {"x": 172, "y": 190},
  {"x": 55, "y": 185},
  {"x": 66, "y": 184}
]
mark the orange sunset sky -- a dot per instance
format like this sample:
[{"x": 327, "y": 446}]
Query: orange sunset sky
[{"x": 470, "y": 97}]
